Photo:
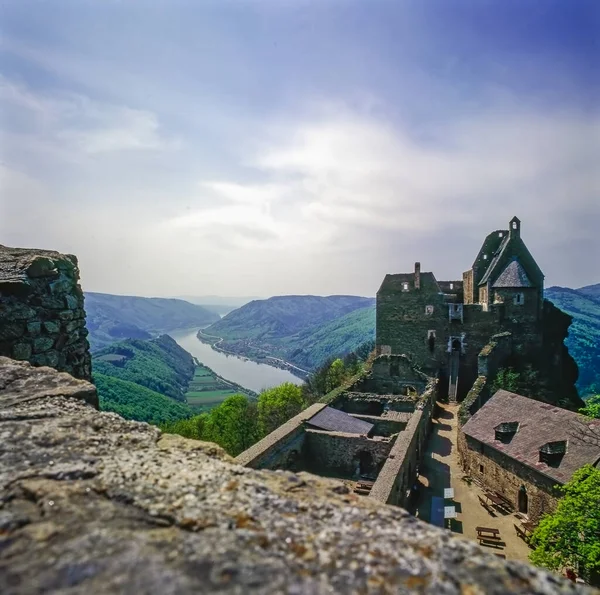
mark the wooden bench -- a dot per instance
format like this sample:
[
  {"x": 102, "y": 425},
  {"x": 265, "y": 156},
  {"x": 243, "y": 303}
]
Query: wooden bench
[
  {"x": 500, "y": 555},
  {"x": 485, "y": 505},
  {"x": 522, "y": 534},
  {"x": 495, "y": 533}
]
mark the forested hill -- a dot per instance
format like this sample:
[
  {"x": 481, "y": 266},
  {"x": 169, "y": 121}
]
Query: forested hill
[
  {"x": 282, "y": 316},
  {"x": 584, "y": 333},
  {"x": 111, "y": 318},
  {"x": 144, "y": 380}
]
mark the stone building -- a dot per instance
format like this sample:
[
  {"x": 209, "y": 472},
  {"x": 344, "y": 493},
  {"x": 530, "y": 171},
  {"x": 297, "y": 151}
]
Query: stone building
[
  {"x": 442, "y": 326},
  {"x": 522, "y": 449},
  {"x": 42, "y": 319},
  {"x": 372, "y": 432}
]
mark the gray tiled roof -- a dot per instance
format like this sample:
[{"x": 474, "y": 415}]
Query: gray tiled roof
[
  {"x": 513, "y": 275},
  {"x": 539, "y": 423},
  {"x": 335, "y": 420}
]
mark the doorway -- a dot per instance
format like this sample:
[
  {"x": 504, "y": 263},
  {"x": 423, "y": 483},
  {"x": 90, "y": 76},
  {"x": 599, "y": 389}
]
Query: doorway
[
  {"x": 456, "y": 345},
  {"x": 523, "y": 500}
]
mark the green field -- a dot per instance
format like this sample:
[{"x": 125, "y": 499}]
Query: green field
[{"x": 206, "y": 390}]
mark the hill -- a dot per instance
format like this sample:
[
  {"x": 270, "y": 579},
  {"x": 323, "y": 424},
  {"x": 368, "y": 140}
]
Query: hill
[
  {"x": 304, "y": 330},
  {"x": 136, "y": 402},
  {"x": 282, "y": 316},
  {"x": 584, "y": 333},
  {"x": 111, "y": 318},
  {"x": 159, "y": 364}
]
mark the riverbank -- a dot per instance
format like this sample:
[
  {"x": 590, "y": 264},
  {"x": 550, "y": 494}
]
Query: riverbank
[
  {"x": 215, "y": 343},
  {"x": 237, "y": 387}
]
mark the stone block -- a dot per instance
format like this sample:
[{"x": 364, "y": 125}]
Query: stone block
[
  {"x": 53, "y": 302},
  {"x": 73, "y": 325},
  {"x": 42, "y": 344},
  {"x": 11, "y": 331},
  {"x": 66, "y": 315},
  {"x": 52, "y": 326},
  {"x": 34, "y": 328},
  {"x": 21, "y": 351},
  {"x": 42, "y": 266},
  {"x": 71, "y": 302}
]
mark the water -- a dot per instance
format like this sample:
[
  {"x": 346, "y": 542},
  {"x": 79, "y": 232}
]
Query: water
[{"x": 246, "y": 373}]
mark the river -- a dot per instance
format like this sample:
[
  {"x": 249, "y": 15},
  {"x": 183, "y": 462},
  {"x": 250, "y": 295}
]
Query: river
[{"x": 244, "y": 372}]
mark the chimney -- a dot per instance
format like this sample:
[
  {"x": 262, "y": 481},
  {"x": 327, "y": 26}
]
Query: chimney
[{"x": 417, "y": 275}]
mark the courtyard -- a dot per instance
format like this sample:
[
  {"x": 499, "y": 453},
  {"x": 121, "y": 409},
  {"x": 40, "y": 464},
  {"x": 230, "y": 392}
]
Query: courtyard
[{"x": 441, "y": 469}]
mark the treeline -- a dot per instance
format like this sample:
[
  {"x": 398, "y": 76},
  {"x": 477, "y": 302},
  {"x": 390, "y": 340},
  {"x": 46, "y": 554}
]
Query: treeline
[{"x": 238, "y": 422}]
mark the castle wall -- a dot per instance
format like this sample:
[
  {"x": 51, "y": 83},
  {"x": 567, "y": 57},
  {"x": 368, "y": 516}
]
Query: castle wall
[
  {"x": 42, "y": 316},
  {"x": 283, "y": 446},
  {"x": 340, "y": 453},
  {"x": 496, "y": 472},
  {"x": 398, "y": 474}
]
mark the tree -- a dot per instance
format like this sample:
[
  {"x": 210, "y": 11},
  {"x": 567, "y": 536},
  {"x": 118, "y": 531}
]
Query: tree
[
  {"x": 507, "y": 379},
  {"x": 592, "y": 407},
  {"x": 335, "y": 375},
  {"x": 570, "y": 537},
  {"x": 277, "y": 405},
  {"x": 233, "y": 424}
]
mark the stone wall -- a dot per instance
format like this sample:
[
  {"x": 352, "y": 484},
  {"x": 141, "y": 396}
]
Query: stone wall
[
  {"x": 92, "y": 503},
  {"x": 42, "y": 319},
  {"x": 283, "y": 446},
  {"x": 399, "y": 471},
  {"x": 499, "y": 473},
  {"x": 341, "y": 453}
]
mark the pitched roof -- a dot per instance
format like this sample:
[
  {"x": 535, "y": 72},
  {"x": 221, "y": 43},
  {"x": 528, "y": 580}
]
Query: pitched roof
[
  {"x": 393, "y": 283},
  {"x": 513, "y": 275},
  {"x": 496, "y": 256},
  {"x": 335, "y": 420},
  {"x": 539, "y": 424}
]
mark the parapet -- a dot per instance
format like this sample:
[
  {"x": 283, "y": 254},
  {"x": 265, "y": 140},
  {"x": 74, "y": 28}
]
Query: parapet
[
  {"x": 42, "y": 319},
  {"x": 92, "y": 503}
]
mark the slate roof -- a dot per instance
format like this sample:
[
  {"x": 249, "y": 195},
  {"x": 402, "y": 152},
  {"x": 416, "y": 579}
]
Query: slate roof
[
  {"x": 496, "y": 256},
  {"x": 513, "y": 275},
  {"x": 539, "y": 424},
  {"x": 335, "y": 420}
]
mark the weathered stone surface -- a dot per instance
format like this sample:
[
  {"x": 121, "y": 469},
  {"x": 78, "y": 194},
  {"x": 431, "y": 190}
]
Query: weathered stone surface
[
  {"x": 35, "y": 285},
  {"x": 91, "y": 503}
]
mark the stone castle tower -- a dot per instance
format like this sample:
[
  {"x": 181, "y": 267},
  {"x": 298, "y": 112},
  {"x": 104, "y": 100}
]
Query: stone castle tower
[{"x": 442, "y": 326}]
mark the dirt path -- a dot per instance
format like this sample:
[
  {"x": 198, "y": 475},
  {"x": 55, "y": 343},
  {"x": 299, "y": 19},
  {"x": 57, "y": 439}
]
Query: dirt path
[{"x": 441, "y": 469}]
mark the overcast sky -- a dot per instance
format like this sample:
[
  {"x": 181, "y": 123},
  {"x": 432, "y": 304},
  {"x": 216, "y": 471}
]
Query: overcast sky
[{"x": 192, "y": 147}]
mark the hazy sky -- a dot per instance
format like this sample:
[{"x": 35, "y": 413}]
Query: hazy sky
[{"x": 190, "y": 147}]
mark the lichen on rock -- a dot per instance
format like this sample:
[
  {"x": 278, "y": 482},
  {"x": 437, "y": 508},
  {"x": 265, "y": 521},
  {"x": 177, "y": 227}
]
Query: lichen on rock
[{"x": 91, "y": 503}]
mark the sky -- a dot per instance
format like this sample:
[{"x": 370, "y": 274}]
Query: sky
[{"x": 271, "y": 147}]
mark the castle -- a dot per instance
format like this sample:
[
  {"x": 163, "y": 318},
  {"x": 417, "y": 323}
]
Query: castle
[{"x": 442, "y": 326}]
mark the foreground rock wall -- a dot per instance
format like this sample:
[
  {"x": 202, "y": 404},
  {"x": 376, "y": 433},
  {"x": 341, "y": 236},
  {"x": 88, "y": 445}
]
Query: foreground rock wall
[
  {"x": 42, "y": 319},
  {"x": 91, "y": 503}
]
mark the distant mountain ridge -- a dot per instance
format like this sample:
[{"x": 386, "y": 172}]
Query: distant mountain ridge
[
  {"x": 302, "y": 329},
  {"x": 583, "y": 305},
  {"x": 111, "y": 318}
]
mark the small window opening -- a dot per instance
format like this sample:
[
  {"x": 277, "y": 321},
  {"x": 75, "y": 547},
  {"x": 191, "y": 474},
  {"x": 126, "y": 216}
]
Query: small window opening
[
  {"x": 431, "y": 341},
  {"x": 451, "y": 285},
  {"x": 500, "y": 234},
  {"x": 480, "y": 468},
  {"x": 514, "y": 225},
  {"x": 485, "y": 257},
  {"x": 404, "y": 286},
  {"x": 519, "y": 299},
  {"x": 553, "y": 452}
]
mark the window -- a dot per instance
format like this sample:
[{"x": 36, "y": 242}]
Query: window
[
  {"x": 451, "y": 285},
  {"x": 519, "y": 299},
  {"x": 505, "y": 431},
  {"x": 431, "y": 340},
  {"x": 429, "y": 310},
  {"x": 514, "y": 225},
  {"x": 485, "y": 257},
  {"x": 404, "y": 286},
  {"x": 480, "y": 468},
  {"x": 553, "y": 452},
  {"x": 500, "y": 234}
]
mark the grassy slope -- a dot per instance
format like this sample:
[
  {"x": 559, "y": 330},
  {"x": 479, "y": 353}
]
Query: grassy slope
[
  {"x": 133, "y": 401},
  {"x": 111, "y": 318},
  {"x": 282, "y": 316},
  {"x": 584, "y": 334},
  {"x": 160, "y": 365}
]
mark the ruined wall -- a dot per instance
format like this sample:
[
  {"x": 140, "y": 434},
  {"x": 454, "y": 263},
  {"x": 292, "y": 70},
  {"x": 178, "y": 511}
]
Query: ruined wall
[
  {"x": 499, "y": 473},
  {"x": 283, "y": 446},
  {"x": 42, "y": 318},
  {"x": 340, "y": 452},
  {"x": 399, "y": 471},
  {"x": 93, "y": 503},
  {"x": 393, "y": 374}
]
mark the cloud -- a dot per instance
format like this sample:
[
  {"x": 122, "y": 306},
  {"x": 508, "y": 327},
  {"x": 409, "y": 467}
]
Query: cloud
[{"x": 78, "y": 124}]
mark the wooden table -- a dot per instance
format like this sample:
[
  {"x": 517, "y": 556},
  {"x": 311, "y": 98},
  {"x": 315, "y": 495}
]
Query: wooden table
[{"x": 491, "y": 530}]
